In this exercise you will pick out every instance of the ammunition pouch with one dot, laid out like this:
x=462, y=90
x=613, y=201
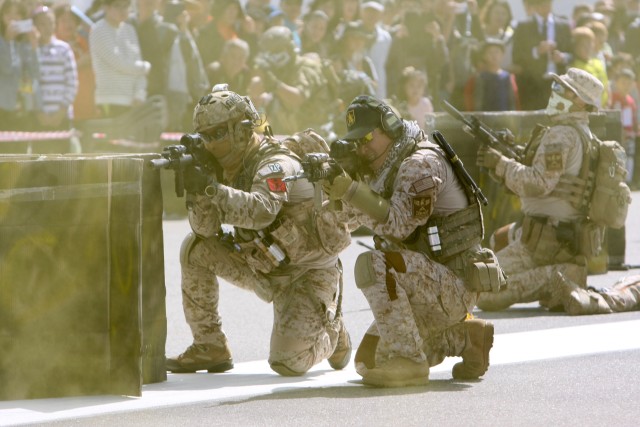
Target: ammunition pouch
x=442, y=238
x=555, y=244
x=479, y=269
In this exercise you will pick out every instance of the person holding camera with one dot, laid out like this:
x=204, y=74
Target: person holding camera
x=291, y=88
x=283, y=247
x=421, y=280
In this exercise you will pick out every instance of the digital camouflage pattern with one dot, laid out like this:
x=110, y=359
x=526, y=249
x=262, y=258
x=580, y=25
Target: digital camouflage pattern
x=303, y=292
x=418, y=304
x=560, y=151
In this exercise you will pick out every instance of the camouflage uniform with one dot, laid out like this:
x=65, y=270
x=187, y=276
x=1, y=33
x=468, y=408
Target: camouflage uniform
x=271, y=219
x=530, y=276
x=554, y=230
x=624, y=295
x=419, y=305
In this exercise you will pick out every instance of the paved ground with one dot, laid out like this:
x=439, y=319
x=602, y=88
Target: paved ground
x=547, y=369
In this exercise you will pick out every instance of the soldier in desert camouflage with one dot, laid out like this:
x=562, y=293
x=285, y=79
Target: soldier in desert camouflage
x=419, y=293
x=282, y=246
x=543, y=247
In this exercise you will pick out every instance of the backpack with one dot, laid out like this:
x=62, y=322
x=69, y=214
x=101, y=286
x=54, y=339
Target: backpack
x=611, y=196
x=599, y=191
x=305, y=142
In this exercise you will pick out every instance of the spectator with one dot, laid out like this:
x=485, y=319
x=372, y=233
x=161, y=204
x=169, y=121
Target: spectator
x=232, y=67
x=120, y=72
x=541, y=44
x=583, y=58
x=412, y=102
x=379, y=42
x=604, y=53
x=291, y=89
x=622, y=101
x=348, y=11
x=68, y=29
x=579, y=12
x=228, y=21
x=187, y=78
x=463, y=32
x=156, y=38
x=291, y=13
x=314, y=37
x=491, y=88
x=496, y=18
x=418, y=41
x=351, y=54
x=18, y=67
x=58, y=79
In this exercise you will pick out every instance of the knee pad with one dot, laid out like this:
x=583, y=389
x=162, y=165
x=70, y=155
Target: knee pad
x=185, y=249
x=285, y=371
x=364, y=272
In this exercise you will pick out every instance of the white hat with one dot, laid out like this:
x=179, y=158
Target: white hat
x=585, y=85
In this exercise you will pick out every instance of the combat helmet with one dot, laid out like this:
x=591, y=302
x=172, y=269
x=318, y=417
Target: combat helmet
x=223, y=106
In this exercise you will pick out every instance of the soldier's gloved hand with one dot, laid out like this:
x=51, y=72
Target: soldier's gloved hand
x=196, y=180
x=337, y=188
x=488, y=157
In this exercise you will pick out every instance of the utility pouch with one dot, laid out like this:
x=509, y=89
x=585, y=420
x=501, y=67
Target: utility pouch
x=483, y=273
x=541, y=240
x=590, y=238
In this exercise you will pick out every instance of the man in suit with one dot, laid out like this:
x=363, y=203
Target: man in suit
x=540, y=46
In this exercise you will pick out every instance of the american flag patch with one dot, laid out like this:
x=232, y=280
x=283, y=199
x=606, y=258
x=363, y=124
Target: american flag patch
x=277, y=184
x=422, y=185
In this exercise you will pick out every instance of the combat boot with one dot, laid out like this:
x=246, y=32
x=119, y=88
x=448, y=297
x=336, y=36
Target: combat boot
x=553, y=298
x=342, y=353
x=475, y=356
x=200, y=357
x=577, y=300
x=395, y=372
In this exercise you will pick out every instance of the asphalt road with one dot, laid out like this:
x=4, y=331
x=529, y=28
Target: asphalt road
x=547, y=369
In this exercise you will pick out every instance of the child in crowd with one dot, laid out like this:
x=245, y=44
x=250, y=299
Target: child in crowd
x=491, y=88
x=412, y=102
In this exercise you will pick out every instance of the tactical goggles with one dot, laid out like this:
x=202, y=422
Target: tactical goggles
x=216, y=134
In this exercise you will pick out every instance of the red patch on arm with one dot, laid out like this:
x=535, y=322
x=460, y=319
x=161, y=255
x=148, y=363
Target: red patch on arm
x=277, y=184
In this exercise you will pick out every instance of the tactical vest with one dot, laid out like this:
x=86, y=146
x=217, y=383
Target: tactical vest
x=442, y=237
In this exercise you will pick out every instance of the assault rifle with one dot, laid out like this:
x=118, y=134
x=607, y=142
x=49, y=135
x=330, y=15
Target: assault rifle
x=189, y=153
x=486, y=135
x=316, y=167
x=458, y=168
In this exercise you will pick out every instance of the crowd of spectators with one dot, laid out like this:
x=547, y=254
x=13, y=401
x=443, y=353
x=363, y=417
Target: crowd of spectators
x=60, y=65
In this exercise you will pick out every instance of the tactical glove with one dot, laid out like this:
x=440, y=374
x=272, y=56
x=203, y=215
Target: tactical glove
x=488, y=157
x=196, y=180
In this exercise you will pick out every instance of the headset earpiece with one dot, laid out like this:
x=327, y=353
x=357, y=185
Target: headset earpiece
x=391, y=122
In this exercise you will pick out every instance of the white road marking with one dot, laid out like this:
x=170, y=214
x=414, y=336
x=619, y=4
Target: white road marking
x=256, y=378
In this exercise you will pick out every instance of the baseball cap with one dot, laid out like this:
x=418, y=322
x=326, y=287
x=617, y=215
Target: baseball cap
x=361, y=119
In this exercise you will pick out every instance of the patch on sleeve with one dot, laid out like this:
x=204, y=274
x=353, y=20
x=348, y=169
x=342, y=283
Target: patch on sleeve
x=421, y=207
x=270, y=169
x=423, y=185
x=277, y=184
x=553, y=158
